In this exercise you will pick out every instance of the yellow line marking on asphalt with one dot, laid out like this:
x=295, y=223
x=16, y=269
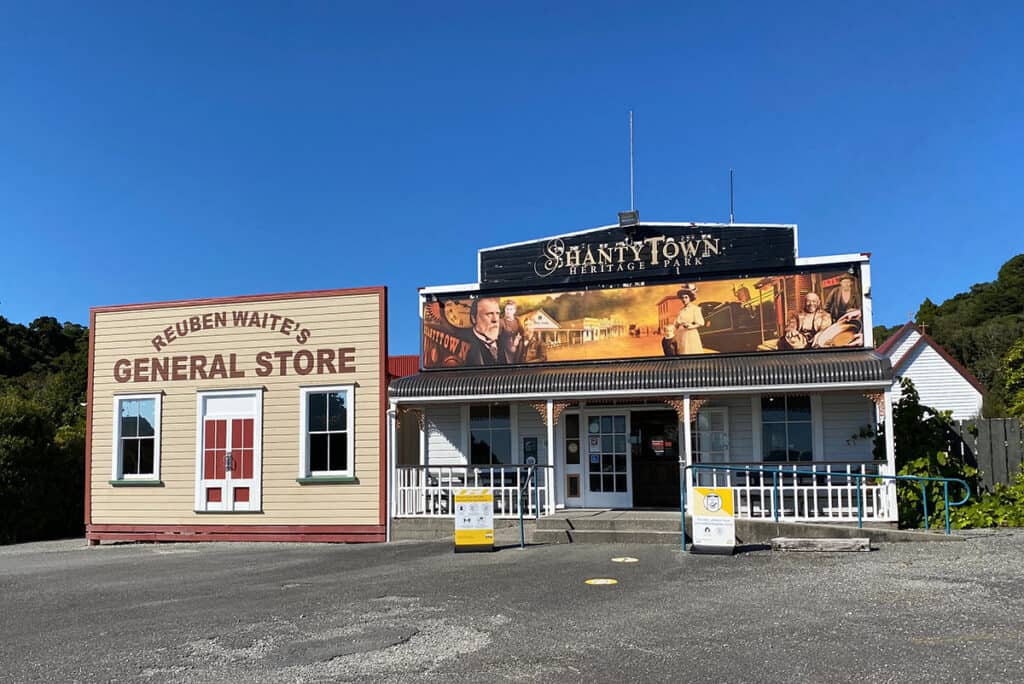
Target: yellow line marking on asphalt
x=625, y=559
x=602, y=580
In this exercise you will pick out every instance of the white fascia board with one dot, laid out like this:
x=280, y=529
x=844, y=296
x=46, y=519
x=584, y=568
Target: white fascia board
x=660, y=224
x=834, y=259
x=639, y=394
x=441, y=289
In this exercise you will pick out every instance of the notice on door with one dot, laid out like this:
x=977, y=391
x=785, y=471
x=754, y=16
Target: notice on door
x=714, y=528
x=474, y=520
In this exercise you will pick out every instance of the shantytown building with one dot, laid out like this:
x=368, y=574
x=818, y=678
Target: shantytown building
x=612, y=357
x=242, y=418
x=605, y=361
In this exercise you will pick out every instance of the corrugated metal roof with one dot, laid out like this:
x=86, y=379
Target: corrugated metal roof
x=401, y=366
x=692, y=373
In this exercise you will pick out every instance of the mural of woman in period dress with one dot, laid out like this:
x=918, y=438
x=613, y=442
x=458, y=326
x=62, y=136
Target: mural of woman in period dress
x=688, y=323
x=805, y=310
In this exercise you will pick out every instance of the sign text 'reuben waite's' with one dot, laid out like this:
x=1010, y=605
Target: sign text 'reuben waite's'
x=318, y=361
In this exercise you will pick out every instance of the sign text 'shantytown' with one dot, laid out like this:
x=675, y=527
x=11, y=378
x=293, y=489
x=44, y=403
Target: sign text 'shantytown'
x=649, y=251
x=658, y=251
x=322, y=361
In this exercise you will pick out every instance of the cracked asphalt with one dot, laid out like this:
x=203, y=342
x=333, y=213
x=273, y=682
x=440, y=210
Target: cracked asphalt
x=414, y=611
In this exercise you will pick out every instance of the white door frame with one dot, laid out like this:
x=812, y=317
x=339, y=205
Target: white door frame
x=237, y=410
x=601, y=499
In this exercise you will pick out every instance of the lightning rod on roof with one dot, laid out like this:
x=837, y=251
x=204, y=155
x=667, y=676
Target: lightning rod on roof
x=732, y=213
x=632, y=173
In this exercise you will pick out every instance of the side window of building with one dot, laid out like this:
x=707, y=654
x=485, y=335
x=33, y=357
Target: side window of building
x=490, y=433
x=327, y=432
x=136, y=438
x=786, y=430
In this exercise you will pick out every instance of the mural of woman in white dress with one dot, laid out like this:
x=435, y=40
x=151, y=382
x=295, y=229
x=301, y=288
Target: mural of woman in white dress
x=689, y=321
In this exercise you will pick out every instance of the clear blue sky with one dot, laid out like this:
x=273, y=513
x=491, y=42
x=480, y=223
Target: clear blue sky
x=153, y=151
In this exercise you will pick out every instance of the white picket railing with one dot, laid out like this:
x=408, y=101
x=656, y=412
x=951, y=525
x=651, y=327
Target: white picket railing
x=818, y=492
x=429, y=491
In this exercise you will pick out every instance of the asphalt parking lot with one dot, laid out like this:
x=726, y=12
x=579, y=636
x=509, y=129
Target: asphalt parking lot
x=415, y=611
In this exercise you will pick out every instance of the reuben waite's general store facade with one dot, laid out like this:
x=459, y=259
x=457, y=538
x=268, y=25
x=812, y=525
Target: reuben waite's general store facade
x=578, y=352
x=244, y=418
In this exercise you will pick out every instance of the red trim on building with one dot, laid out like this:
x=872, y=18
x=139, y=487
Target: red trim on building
x=894, y=340
x=267, y=533
x=402, y=366
x=383, y=429
x=89, y=403
x=926, y=339
x=242, y=298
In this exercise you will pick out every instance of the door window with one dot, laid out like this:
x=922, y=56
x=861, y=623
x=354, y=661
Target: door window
x=606, y=454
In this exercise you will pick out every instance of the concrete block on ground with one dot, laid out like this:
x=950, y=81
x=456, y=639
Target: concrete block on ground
x=820, y=544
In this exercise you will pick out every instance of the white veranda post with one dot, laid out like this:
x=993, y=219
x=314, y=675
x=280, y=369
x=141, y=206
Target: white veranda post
x=890, y=451
x=686, y=455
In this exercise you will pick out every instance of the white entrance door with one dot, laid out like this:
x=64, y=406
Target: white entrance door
x=228, y=445
x=605, y=446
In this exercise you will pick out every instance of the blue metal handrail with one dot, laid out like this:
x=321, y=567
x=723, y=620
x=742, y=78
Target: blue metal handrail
x=775, y=471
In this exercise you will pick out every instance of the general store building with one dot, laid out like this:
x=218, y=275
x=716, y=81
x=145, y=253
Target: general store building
x=245, y=418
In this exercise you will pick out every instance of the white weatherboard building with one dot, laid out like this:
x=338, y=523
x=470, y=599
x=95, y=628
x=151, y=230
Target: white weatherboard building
x=787, y=376
x=942, y=382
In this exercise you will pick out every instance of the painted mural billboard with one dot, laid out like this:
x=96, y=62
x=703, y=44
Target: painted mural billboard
x=799, y=311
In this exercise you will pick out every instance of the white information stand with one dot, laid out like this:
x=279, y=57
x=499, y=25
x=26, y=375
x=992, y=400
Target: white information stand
x=714, y=528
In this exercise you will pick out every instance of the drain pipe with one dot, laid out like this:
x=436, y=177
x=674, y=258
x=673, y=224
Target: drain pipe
x=389, y=481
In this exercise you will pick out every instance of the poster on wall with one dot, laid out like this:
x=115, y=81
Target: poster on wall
x=793, y=312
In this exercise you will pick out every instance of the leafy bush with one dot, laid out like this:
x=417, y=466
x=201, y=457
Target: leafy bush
x=1003, y=507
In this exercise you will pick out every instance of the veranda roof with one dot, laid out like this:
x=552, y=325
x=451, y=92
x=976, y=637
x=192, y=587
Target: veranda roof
x=788, y=371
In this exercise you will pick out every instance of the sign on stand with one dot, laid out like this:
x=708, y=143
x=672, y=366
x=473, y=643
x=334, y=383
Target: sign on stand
x=714, y=528
x=474, y=520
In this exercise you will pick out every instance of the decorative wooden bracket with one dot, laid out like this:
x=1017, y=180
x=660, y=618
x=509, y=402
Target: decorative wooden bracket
x=878, y=399
x=557, y=407
x=680, y=407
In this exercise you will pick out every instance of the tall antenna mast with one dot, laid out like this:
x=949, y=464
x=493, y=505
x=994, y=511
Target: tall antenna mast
x=732, y=214
x=632, y=186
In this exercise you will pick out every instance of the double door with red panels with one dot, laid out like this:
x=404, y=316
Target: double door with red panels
x=228, y=478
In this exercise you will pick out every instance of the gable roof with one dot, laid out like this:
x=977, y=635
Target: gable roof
x=900, y=364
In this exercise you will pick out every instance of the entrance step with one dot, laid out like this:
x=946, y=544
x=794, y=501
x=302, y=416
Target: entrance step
x=608, y=527
x=568, y=536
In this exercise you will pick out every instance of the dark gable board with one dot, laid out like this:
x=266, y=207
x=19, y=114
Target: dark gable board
x=740, y=249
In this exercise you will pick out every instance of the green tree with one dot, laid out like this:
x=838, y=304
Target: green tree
x=922, y=436
x=1013, y=378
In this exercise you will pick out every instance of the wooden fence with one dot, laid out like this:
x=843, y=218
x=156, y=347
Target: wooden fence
x=995, y=446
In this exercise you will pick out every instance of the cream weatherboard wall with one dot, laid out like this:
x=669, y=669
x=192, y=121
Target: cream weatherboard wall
x=347, y=325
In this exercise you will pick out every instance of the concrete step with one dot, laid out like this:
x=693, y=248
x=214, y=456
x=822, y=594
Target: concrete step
x=662, y=524
x=568, y=536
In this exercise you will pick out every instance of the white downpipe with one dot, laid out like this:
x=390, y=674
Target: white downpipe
x=392, y=471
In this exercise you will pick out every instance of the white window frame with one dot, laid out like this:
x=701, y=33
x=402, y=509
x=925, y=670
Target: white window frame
x=350, y=412
x=816, y=427
x=118, y=474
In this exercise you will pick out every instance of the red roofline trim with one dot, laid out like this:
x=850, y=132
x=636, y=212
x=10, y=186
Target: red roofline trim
x=927, y=339
x=894, y=339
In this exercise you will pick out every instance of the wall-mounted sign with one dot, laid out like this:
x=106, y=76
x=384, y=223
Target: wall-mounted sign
x=642, y=251
x=794, y=311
